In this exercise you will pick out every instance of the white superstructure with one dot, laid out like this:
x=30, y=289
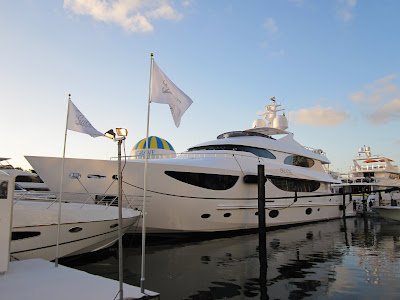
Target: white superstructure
x=374, y=168
x=375, y=176
x=212, y=186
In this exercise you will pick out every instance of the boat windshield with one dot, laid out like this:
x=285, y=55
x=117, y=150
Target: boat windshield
x=242, y=133
x=256, y=151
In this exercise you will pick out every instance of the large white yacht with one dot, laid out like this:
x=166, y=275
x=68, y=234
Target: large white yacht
x=374, y=168
x=213, y=186
x=375, y=176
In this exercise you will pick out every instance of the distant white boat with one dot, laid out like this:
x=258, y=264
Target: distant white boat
x=84, y=228
x=213, y=186
x=390, y=213
x=27, y=180
x=374, y=176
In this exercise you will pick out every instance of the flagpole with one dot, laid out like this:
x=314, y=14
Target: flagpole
x=61, y=187
x=142, y=278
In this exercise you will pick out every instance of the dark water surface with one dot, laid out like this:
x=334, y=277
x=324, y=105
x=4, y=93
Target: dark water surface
x=356, y=259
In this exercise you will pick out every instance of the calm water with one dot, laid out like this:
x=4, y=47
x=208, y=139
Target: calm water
x=358, y=259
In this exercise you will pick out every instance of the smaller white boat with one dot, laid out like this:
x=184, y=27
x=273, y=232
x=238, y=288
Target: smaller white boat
x=83, y=228
x=390, y=213
x=40, y=279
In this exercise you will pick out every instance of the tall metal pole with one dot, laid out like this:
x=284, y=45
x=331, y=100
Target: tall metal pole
x=146, y=155
x=61, y=188
x=120, y=260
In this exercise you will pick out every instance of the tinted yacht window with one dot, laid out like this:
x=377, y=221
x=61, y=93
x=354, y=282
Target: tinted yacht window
x=299, y=161
x=295, y=185
x=207, y=181
x=256, y=151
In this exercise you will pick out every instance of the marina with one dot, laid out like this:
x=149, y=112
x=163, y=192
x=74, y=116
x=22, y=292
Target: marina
x=264, y=166
x=204, y=208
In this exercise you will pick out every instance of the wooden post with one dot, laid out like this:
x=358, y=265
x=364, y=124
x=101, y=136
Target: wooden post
x=262, y=233
x=344, y=205
x=364, y=202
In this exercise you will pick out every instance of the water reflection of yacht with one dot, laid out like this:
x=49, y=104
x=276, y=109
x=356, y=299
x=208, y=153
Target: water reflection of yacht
x=213, y=185
x=301, y=263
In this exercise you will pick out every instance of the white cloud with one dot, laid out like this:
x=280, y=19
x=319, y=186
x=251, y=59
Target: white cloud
x=357, y=96
x=271, y=26
x=386, y=79
x=164, y=12
x=187, y=3
x=319, y=116
x=386, y=112
x=379, y=102
x=132, y=15
x=345, y=10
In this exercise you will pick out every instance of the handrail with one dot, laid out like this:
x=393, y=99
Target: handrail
x=191, y=155
x=106, y=200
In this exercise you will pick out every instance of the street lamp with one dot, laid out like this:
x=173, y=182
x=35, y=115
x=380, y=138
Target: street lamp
x=119, y=137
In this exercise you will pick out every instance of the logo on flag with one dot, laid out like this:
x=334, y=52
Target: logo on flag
x=78, y=122
x=166, y=92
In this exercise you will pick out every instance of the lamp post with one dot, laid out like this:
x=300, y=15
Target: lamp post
x=121, y=136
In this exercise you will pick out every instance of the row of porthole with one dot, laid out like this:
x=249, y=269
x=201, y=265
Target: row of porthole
x=272, y=213
x=77, y=229
x=19, y=235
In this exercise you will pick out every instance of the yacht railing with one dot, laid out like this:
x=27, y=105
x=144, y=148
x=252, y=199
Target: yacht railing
x=201, y=154
x=314, y=150
x=192, y=155
x=46, y=196
x=368, y=168
x=107, y=200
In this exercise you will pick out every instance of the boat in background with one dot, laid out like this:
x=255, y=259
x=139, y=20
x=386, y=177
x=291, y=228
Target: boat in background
x=213, y=186
x=373, y=179
x=390, y=213
x=374, y=169
x=29, y=181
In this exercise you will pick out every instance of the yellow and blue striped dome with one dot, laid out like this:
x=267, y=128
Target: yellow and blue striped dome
x=154, y=143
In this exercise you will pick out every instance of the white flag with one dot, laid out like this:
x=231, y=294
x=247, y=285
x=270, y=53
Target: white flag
x=165, y=91
x=78, y=122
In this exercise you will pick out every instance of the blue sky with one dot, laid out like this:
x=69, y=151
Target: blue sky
x=333, y=65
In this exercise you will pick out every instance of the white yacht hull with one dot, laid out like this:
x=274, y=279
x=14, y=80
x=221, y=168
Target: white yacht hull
x=83, y=228
x=390, y=213
x=175, y=206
